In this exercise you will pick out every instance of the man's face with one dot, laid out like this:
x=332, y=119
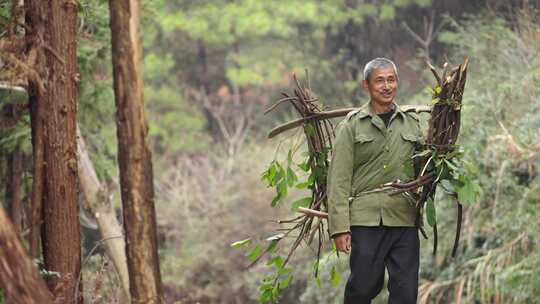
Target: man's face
x=382, y=86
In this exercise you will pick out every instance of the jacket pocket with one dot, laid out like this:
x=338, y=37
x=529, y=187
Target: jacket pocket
x=410, y=137
x=412, y=140
x=364, y=148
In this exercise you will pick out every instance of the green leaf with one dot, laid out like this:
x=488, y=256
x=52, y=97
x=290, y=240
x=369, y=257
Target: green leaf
x=303, y=202
x=304, y=185
x=272, y=171
x=277, y=261
x=442, y=171
x=271, y=174
x=315, y=267
x=284, y=271
x=272, y=246
x=309, y=129
x=304, y=166
x=451, y=165
x=280, y=174
x=275, y=292
x=267, y=284
x=447, y=186
x=335, y=277
x=286, y=282
x=241, y=243
x=289, y=157
x=291, y=177
x=275, y=200
x=467, y=193
x=430, y=212
x=266, y=296
x=254, y=253
x=281, y=192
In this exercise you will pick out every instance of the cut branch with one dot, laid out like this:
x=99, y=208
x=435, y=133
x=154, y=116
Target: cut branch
x=312, y=213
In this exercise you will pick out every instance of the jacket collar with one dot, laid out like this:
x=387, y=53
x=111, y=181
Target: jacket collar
x=367, y=110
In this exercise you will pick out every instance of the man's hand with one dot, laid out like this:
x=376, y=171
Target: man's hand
x=343, y=242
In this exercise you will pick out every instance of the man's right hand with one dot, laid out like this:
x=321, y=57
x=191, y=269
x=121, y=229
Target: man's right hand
x=343, y=242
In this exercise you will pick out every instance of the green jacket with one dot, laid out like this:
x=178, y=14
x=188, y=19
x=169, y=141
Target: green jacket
x=366, y=154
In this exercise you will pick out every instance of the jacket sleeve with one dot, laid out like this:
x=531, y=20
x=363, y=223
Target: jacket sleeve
x=340, y=180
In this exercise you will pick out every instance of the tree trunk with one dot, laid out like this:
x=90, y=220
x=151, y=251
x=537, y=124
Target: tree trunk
x=34, y=21
x=38, y=181
x=14, y=189
x=98, y=202
x=134, y=157
x=54, y=24
x=20, y=281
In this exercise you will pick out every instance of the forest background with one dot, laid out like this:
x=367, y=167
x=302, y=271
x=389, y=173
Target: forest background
x=211, y=68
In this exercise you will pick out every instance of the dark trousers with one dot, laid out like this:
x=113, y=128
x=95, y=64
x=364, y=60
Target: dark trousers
x=373, y=248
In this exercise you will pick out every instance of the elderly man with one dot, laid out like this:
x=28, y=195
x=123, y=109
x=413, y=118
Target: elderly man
x=373, y=146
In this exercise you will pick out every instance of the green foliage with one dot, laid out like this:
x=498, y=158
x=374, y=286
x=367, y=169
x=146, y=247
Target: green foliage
x=5, y=12
x=430, y=212
x=254, y=45
x=387, y=12
x=303, y=202
x=500, y=106
x=282, y=177
x=175, y=125
x=16, y=135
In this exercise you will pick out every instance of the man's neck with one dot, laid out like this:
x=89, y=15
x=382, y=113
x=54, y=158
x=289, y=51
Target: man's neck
x=379, y=109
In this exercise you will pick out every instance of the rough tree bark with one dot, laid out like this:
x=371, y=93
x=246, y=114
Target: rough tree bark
x=51, y=33
x=20, y=281
x=14, y=189
x=98, y=202
x=134, y=157
x=38, y=181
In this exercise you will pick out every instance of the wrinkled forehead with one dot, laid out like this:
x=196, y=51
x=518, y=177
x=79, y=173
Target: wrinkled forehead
x=383, y=72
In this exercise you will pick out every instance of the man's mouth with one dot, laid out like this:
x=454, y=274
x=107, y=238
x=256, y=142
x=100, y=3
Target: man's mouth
x=387, y=94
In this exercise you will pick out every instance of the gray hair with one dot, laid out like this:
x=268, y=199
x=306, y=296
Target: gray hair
x=379, y=63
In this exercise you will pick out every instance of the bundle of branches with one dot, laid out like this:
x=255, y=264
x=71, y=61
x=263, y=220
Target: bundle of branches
x=318, y=131
x=441, y=147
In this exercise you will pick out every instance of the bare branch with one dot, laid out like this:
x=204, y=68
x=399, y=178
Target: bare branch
x=311, y=212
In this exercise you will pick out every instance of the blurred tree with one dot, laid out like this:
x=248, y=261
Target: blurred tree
x=134, y=156
x=20, y=281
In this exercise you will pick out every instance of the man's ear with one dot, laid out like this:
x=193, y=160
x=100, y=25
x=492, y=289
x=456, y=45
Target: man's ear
x=365, y=85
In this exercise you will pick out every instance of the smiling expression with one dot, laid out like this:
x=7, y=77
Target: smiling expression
x=382, y=86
